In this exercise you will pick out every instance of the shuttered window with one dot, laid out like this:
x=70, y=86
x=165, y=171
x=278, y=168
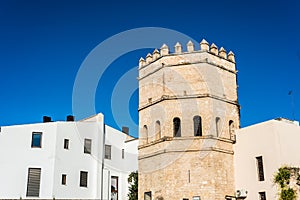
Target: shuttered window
x=33, y=182
x=83, y=179
x=87, y=146
x=107, y=152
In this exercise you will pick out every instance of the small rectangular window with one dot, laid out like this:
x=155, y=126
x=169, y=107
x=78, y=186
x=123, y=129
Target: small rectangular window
x=107, y=152
x=33, y=182
x=123, y=153
x=66, y=143
x=147, y=196
x=83, y=178
x=64, y=179
x=260, y=168
x=87, y=146
x=262, y=195
x=36, y=141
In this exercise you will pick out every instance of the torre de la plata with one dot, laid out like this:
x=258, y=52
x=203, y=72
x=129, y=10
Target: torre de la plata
x=188, y=110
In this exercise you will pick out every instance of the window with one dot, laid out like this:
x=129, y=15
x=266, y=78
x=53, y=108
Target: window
x=36, y=141
x=107, y=152
x=231, y=131
x=64, y=179
x=260, y=168
x=176, y=127
x=197, y=126
x=66, y=143
x=262, y=195
x=147, y=196
x=123, y=154
x=218, y=126
x=231, y=127
x=114, y=188
x=87, y=146
x=33, y=182
x=157, y=130
x=145, y=133
x=83, y=178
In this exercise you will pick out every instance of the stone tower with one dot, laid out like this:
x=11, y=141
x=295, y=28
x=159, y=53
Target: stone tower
x=188, y=109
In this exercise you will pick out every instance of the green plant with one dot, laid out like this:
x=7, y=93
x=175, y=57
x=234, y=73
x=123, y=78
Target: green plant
x=133, y=186
x=282, y=178
x=287, y=194
x=298, y=180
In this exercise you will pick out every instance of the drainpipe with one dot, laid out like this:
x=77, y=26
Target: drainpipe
x=103, y=152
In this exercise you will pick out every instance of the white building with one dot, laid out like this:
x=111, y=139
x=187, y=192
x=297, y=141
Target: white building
x=260, y=150
x=64, y=160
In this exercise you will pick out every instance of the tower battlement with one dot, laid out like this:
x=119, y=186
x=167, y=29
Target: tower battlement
x=204, y=46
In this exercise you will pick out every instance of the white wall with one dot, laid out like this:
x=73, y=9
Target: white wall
x=16, y=156
x=74, y=160
x=277, y=142
x=117, y=166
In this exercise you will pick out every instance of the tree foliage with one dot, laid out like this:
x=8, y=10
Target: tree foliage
x=133, y=186
x=282, y=178
x=287, y=194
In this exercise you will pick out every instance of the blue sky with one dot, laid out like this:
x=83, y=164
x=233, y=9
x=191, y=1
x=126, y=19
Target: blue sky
x=44, y=43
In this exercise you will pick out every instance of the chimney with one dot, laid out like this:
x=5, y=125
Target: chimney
x=46, y=119
x=70, y=118
x=125, y=130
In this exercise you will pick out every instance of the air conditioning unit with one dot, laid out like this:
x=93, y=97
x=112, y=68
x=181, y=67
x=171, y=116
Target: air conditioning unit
x=241, y=194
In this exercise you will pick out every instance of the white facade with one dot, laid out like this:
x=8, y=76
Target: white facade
x=277, y=143
x=17, y=155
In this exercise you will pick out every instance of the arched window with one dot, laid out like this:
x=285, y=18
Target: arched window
x=197, y=126
x=157, y=130
x=218, y=126
x=145, y=133
x=231, y=130
x=231, y=127
x=176, y=127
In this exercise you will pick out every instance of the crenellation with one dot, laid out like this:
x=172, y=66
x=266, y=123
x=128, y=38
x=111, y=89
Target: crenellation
x=142, y=62
x=231, y=56
x=178, y=48
x=164, y=50
x=213, y=49
x=214, y=55
x=222, y=53
x=204, y=45
x=148, y=58
x=155, y=54
x=190, y=46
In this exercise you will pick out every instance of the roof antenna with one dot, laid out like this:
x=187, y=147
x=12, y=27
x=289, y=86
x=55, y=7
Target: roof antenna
x=292, y=104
